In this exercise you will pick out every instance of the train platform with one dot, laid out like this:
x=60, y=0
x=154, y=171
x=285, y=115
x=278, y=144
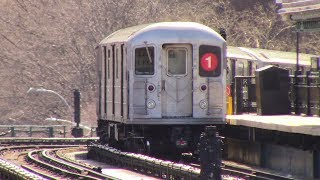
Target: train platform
x=285, y=143
x=283, y=123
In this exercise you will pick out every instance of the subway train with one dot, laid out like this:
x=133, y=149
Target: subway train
x=160, y=84
x=243, y=61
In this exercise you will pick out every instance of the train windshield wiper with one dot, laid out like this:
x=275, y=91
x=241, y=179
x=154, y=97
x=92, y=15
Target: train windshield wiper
x=149, y=56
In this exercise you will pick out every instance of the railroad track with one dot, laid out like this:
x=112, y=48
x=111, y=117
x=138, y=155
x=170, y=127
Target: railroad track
x=26, y=159
x=252, y=173
x=45, y=141
x=61, y=168
x=51, y=160
x=46, y=160
x=164, y=169
x=245, y=172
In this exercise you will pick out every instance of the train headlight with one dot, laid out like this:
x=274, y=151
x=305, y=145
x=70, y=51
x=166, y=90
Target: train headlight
x=151, y=104
x=203, y=104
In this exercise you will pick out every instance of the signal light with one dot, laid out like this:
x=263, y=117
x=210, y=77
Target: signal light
x=181, y=143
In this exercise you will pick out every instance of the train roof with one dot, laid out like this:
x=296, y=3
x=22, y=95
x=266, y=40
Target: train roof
x=124, y=35
x=266, y=55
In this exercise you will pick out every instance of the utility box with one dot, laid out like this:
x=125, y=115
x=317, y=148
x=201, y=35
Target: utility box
x=272, y=90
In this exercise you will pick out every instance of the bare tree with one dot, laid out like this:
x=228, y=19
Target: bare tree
x=51, y=44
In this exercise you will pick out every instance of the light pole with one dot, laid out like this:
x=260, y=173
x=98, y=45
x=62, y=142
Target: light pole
x=63, y=120
x=39, y=90
x=74, y=124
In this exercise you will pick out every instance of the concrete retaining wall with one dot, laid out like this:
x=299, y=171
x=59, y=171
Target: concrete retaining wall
x=280, y=158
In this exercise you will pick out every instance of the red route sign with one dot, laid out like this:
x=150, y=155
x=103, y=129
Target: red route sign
x=209, y=62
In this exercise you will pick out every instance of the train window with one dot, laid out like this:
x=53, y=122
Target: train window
x=176, y=61
x=233, y=69
x=105, y=78
x=240, y=69
x=105, y=59
x=117, y=63
x=109, y=63
x=254, y=68
x=209, y=61
x=315, y=63
x=250, y=68
x=144, y=61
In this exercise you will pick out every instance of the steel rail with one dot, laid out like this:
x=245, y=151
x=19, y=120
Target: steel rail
x=16, y=172
x=53, y=168
x=73, y=166
x=13, y=171
x=248, y=172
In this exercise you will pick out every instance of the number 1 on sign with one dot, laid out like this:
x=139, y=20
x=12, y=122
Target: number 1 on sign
x=209, y=61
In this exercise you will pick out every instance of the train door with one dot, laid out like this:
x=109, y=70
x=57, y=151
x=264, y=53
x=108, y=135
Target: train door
x=176, y=82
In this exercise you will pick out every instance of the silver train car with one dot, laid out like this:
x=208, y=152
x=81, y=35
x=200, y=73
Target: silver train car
x=159, y=85
x=243, y=61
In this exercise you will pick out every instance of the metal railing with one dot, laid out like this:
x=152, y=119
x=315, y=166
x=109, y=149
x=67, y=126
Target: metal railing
x=304, y=94
x=32, y=130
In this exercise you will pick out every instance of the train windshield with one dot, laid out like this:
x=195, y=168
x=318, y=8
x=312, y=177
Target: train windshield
x=177, y=58
x=144, y=61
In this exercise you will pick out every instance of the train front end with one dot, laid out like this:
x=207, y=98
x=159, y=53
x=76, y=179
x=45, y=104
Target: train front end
x=178, y=75
x=171, y=84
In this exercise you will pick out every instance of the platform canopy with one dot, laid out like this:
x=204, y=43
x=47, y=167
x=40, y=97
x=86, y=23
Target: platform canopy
x=305, y=13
